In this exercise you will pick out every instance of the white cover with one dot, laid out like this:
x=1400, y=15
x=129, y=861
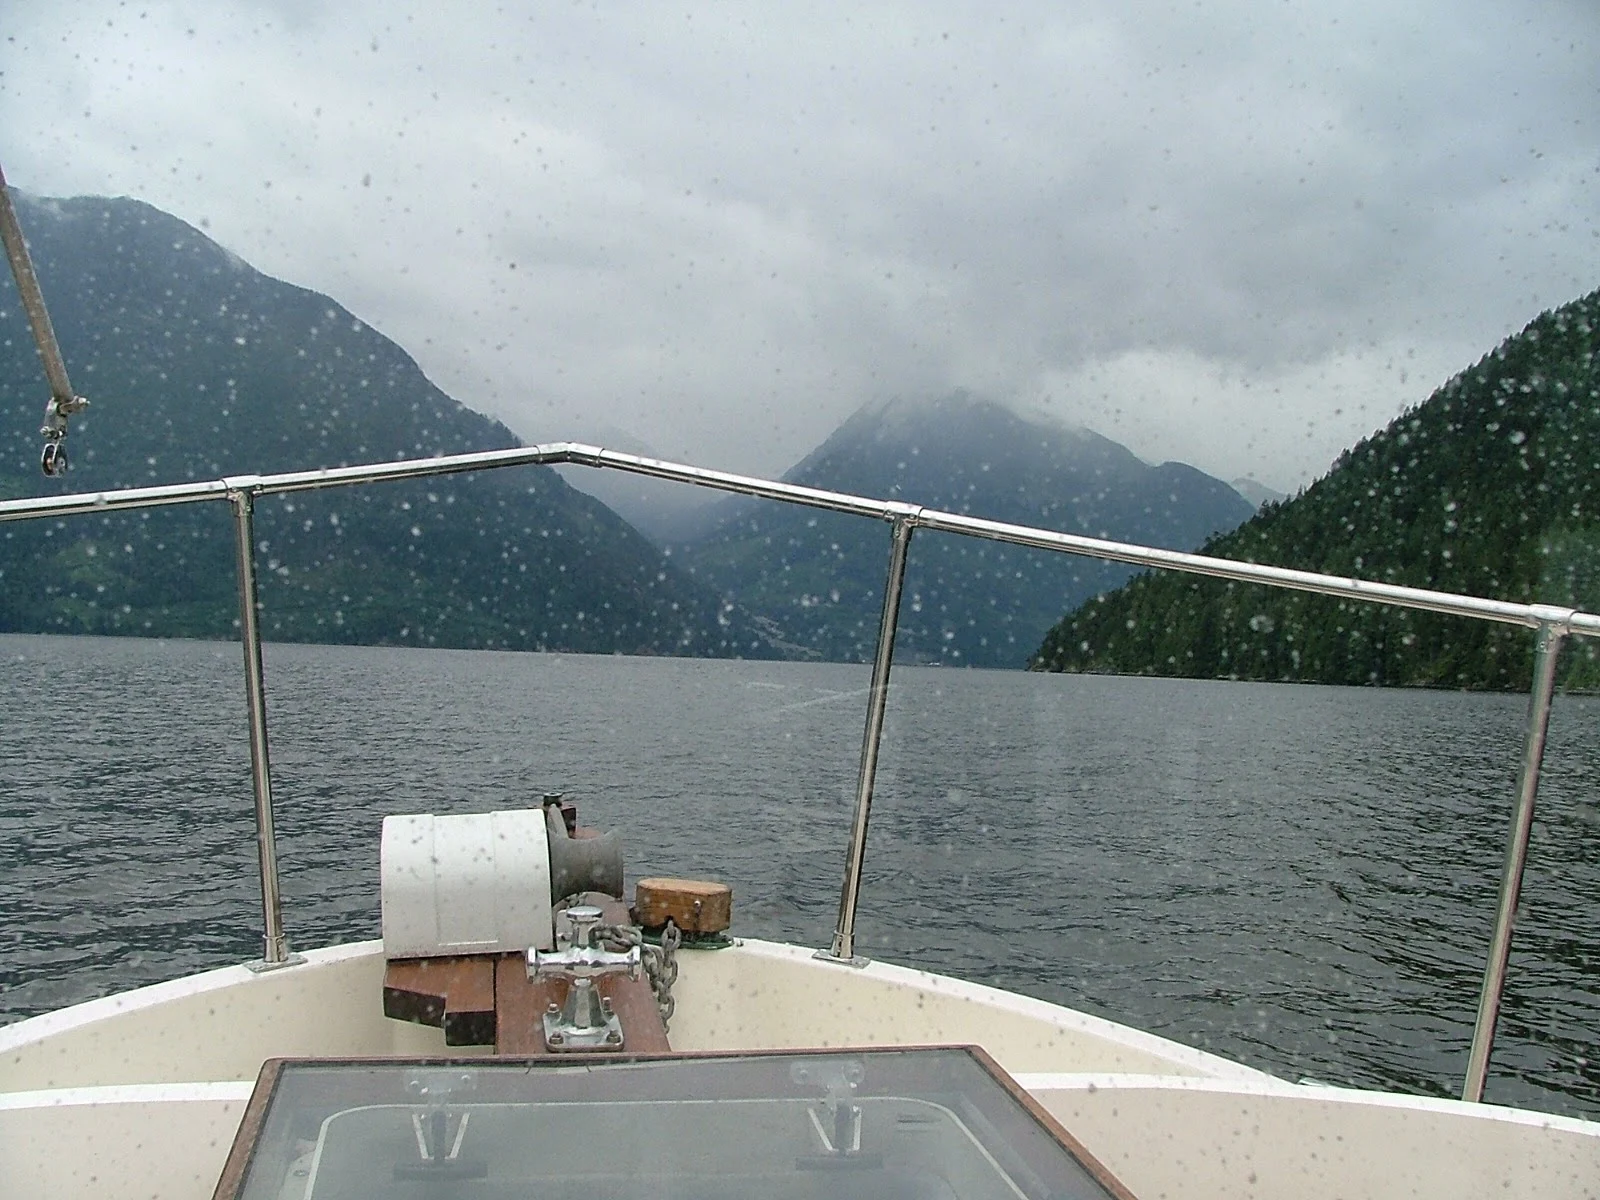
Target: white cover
x=475, y=884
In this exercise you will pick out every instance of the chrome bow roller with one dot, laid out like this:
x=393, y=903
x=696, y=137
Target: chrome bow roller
x=63, y=402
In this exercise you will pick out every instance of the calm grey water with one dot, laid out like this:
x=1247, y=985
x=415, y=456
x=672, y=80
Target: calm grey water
x=1300, y=878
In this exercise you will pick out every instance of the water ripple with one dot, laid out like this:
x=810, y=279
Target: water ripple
x=1300, y=878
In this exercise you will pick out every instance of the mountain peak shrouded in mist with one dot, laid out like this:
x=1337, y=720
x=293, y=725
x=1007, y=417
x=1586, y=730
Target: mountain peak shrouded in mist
x=198, y=366
x=1257, y=492
x=816, y=578
x=665, y=512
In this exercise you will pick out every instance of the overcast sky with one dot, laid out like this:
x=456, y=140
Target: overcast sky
x=1242, y=234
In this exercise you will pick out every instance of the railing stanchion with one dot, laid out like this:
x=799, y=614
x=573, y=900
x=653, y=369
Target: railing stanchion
x=275, y=944
x=1547, y=651
x=844, y=934
x=1553, y=626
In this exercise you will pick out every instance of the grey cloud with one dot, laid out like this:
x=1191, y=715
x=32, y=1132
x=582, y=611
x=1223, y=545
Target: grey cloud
x=723, y=229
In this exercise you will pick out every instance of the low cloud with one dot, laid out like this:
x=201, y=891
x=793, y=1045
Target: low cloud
x=1239, y=236
x=1282, y=425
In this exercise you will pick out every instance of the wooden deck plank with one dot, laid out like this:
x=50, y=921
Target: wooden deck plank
x=452, y=993
x=520, y=1004
x=635, y=1005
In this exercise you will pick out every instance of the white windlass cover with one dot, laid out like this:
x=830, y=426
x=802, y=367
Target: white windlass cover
x=474, y=884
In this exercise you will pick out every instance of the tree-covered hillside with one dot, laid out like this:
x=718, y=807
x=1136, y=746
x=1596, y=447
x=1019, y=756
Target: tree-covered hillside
x=1491, y=487
x=198, y=366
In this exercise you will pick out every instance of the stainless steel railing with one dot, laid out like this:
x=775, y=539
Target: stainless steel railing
x=1553, y=624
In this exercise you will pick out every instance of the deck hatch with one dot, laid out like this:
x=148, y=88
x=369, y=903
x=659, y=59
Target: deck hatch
x=900, y=1124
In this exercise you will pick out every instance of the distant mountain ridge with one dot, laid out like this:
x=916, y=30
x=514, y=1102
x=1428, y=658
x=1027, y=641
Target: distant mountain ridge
x=666, y=513
x=1256, y=492
x=816, y=578
x=197, y=366
x=1490, y=488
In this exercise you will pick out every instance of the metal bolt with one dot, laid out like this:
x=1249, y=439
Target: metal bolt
x=552, y=1008
x=557, y=1039
x=613, y=1037
x=605, y=1005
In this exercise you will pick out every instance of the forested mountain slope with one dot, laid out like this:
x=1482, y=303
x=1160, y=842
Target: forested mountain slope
x=197, y=366
x=1491, y=487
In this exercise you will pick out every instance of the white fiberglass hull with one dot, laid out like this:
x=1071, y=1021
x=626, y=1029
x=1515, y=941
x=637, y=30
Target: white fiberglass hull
x=139, y=1094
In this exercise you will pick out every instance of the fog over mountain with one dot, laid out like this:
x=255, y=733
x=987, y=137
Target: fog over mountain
x=816, y=578
x=197, y=366
x=665, y=512
x=1239, y=234
x=1490, y=487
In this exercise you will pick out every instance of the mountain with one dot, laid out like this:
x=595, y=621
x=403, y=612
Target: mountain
x=197, y=366
x=816, y=578
x=1491, y=487
x=665, y=512
x=1258, y=493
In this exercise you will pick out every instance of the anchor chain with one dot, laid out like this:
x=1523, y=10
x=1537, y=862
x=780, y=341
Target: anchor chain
x=666, y=973
x=660, y=962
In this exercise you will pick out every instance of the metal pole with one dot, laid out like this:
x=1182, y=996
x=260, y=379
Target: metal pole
x=275, y=945
x=63, y=402
x=1547, y=650
x=1529, y=616
x=844, y=934
x=44, y=334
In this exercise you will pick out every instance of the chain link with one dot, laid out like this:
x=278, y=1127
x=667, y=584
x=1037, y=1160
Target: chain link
x=671, y=939
x=617, y=937
x=660, y=962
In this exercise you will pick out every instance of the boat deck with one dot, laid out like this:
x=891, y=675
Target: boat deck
x=151, y=1084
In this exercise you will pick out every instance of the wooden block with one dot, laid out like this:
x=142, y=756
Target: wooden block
x=456, y=994
x=694, y=905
